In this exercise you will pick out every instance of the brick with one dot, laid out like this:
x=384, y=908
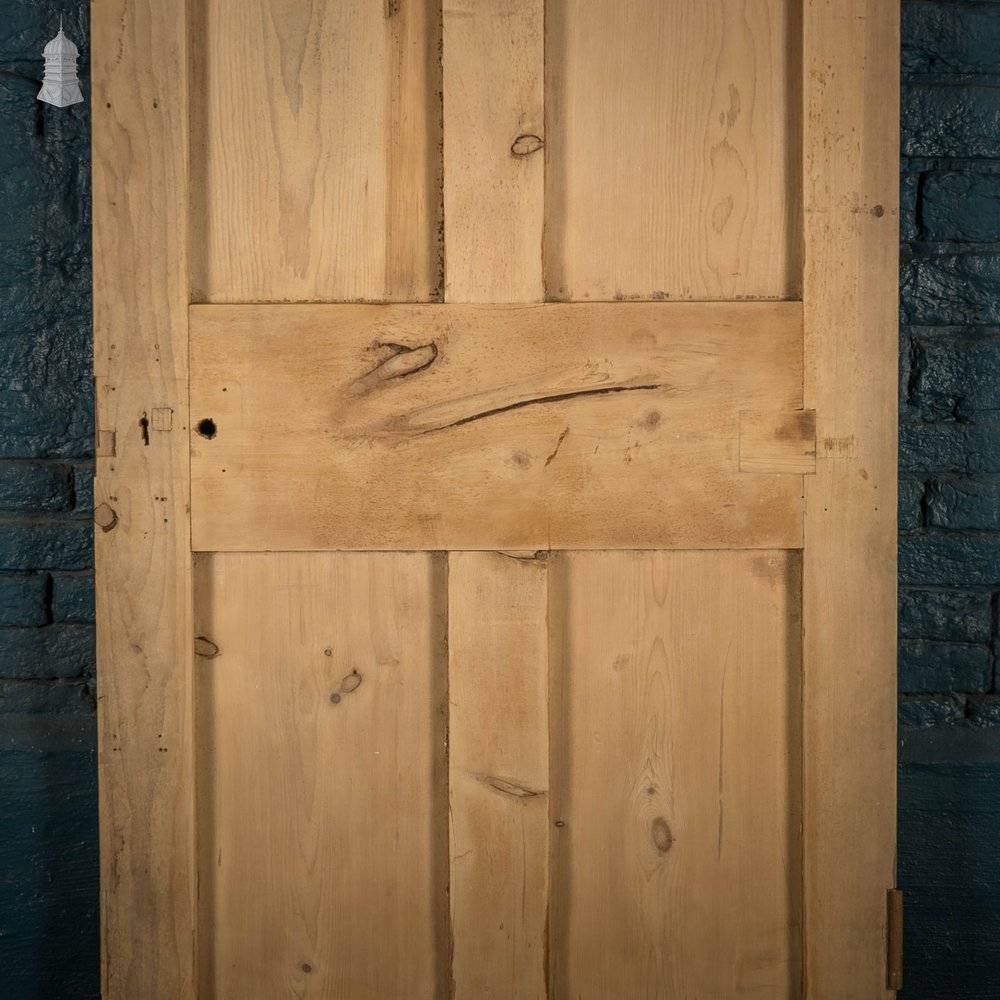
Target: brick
x=945, y=38
x=959, y=206
x=960, y=289
x=951, y=447
x=954, y=377
x=24, y=600
x=950, y=121
x=83, y=490
x=911, y=494
x=931, y=667
x=943, y=560
x=908, y=190
x=953, y=615
x=34, y=486
x=32, y=545
x=34, y=697
x=25, y=22
x=968, y=504
x=924, y=712
x=73, y=598
x=45, y=653
x=985, y=712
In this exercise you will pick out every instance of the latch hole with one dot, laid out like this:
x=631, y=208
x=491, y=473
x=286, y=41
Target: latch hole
x=206, y=428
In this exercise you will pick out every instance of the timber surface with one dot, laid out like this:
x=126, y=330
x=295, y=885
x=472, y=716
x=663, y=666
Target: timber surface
x=321, y=728
x=676, y=774
x=464, y=427
x=141, y=495
x=849, y=589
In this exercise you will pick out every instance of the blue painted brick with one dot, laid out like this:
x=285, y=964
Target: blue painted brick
x=946, y=38
x=943, y=560
x=29, y=24
x=30, y=545
x=908, y=190
x=35, y=486
x=24, y=599
x=953, y=615
x=83, y=489
x=72, y=598
x=20, y=697
x=965, y=503
x=985, y=711
x=960, y=206
x=951, y=289
x=926, y=711
x=951, y=447
x=45, y=653
x=950, y=121
x=911, y=494
x=930, y=667
x=954, y=376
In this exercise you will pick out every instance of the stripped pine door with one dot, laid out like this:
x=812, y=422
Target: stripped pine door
x=495, y=497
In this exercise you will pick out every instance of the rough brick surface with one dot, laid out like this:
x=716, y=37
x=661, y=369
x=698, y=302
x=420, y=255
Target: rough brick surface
x=928, y=667
x=952, y=615
x=951, y=289
x=950, y=121
x=972, y=503
x=73, y=598
x=945, y=38
x=959, y=206
x=24, y=599
x=46, y=653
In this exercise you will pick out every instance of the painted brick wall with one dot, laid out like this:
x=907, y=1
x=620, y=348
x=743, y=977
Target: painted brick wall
x=949, y=517
x=949, y=511
x=49, y=939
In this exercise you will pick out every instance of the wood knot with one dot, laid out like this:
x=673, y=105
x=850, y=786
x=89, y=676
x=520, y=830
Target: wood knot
x=204, y=647
x=105, y=517
x=663, y=839
x=525, y=145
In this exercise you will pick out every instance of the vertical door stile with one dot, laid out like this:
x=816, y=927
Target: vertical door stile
x=493, y=62
x=851, y=116
x=142, y=498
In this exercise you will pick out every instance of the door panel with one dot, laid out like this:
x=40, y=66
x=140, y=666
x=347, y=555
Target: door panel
x=481, y=631
x=322, y=789
x=676, y=774
x=457, y=427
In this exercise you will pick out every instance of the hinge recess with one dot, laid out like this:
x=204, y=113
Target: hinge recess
x=894, y=936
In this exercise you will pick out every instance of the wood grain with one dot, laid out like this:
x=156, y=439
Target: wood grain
x=498, y=772
x=676, y=774
x=778, y=441
x=323, y=853
x=673, y=138
x=494, y=156
x=142, y=491
x=316, y=170
x=455, y=427
x=850, y=288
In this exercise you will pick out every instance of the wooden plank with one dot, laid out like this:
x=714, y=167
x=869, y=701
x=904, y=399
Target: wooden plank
x=498, y=772
x=142, y=489
x=676, y=774
x=402, y=426
x=316, y=165
x=778, y=441
x=494, y=137
x=850, y=290
x=672, y=150
x=321, y=729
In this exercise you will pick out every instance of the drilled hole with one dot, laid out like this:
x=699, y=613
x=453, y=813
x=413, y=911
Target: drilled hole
x=206, y=428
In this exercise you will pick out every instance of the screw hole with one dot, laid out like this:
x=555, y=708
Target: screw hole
x=206, y=428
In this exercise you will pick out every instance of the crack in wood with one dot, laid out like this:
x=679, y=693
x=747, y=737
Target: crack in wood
x=555, y=451
x=541, y=400
x=509, y=787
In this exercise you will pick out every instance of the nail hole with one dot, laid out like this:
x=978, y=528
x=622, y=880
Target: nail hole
x=206, y=428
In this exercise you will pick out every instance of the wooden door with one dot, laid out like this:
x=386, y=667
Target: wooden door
x=496, y=497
